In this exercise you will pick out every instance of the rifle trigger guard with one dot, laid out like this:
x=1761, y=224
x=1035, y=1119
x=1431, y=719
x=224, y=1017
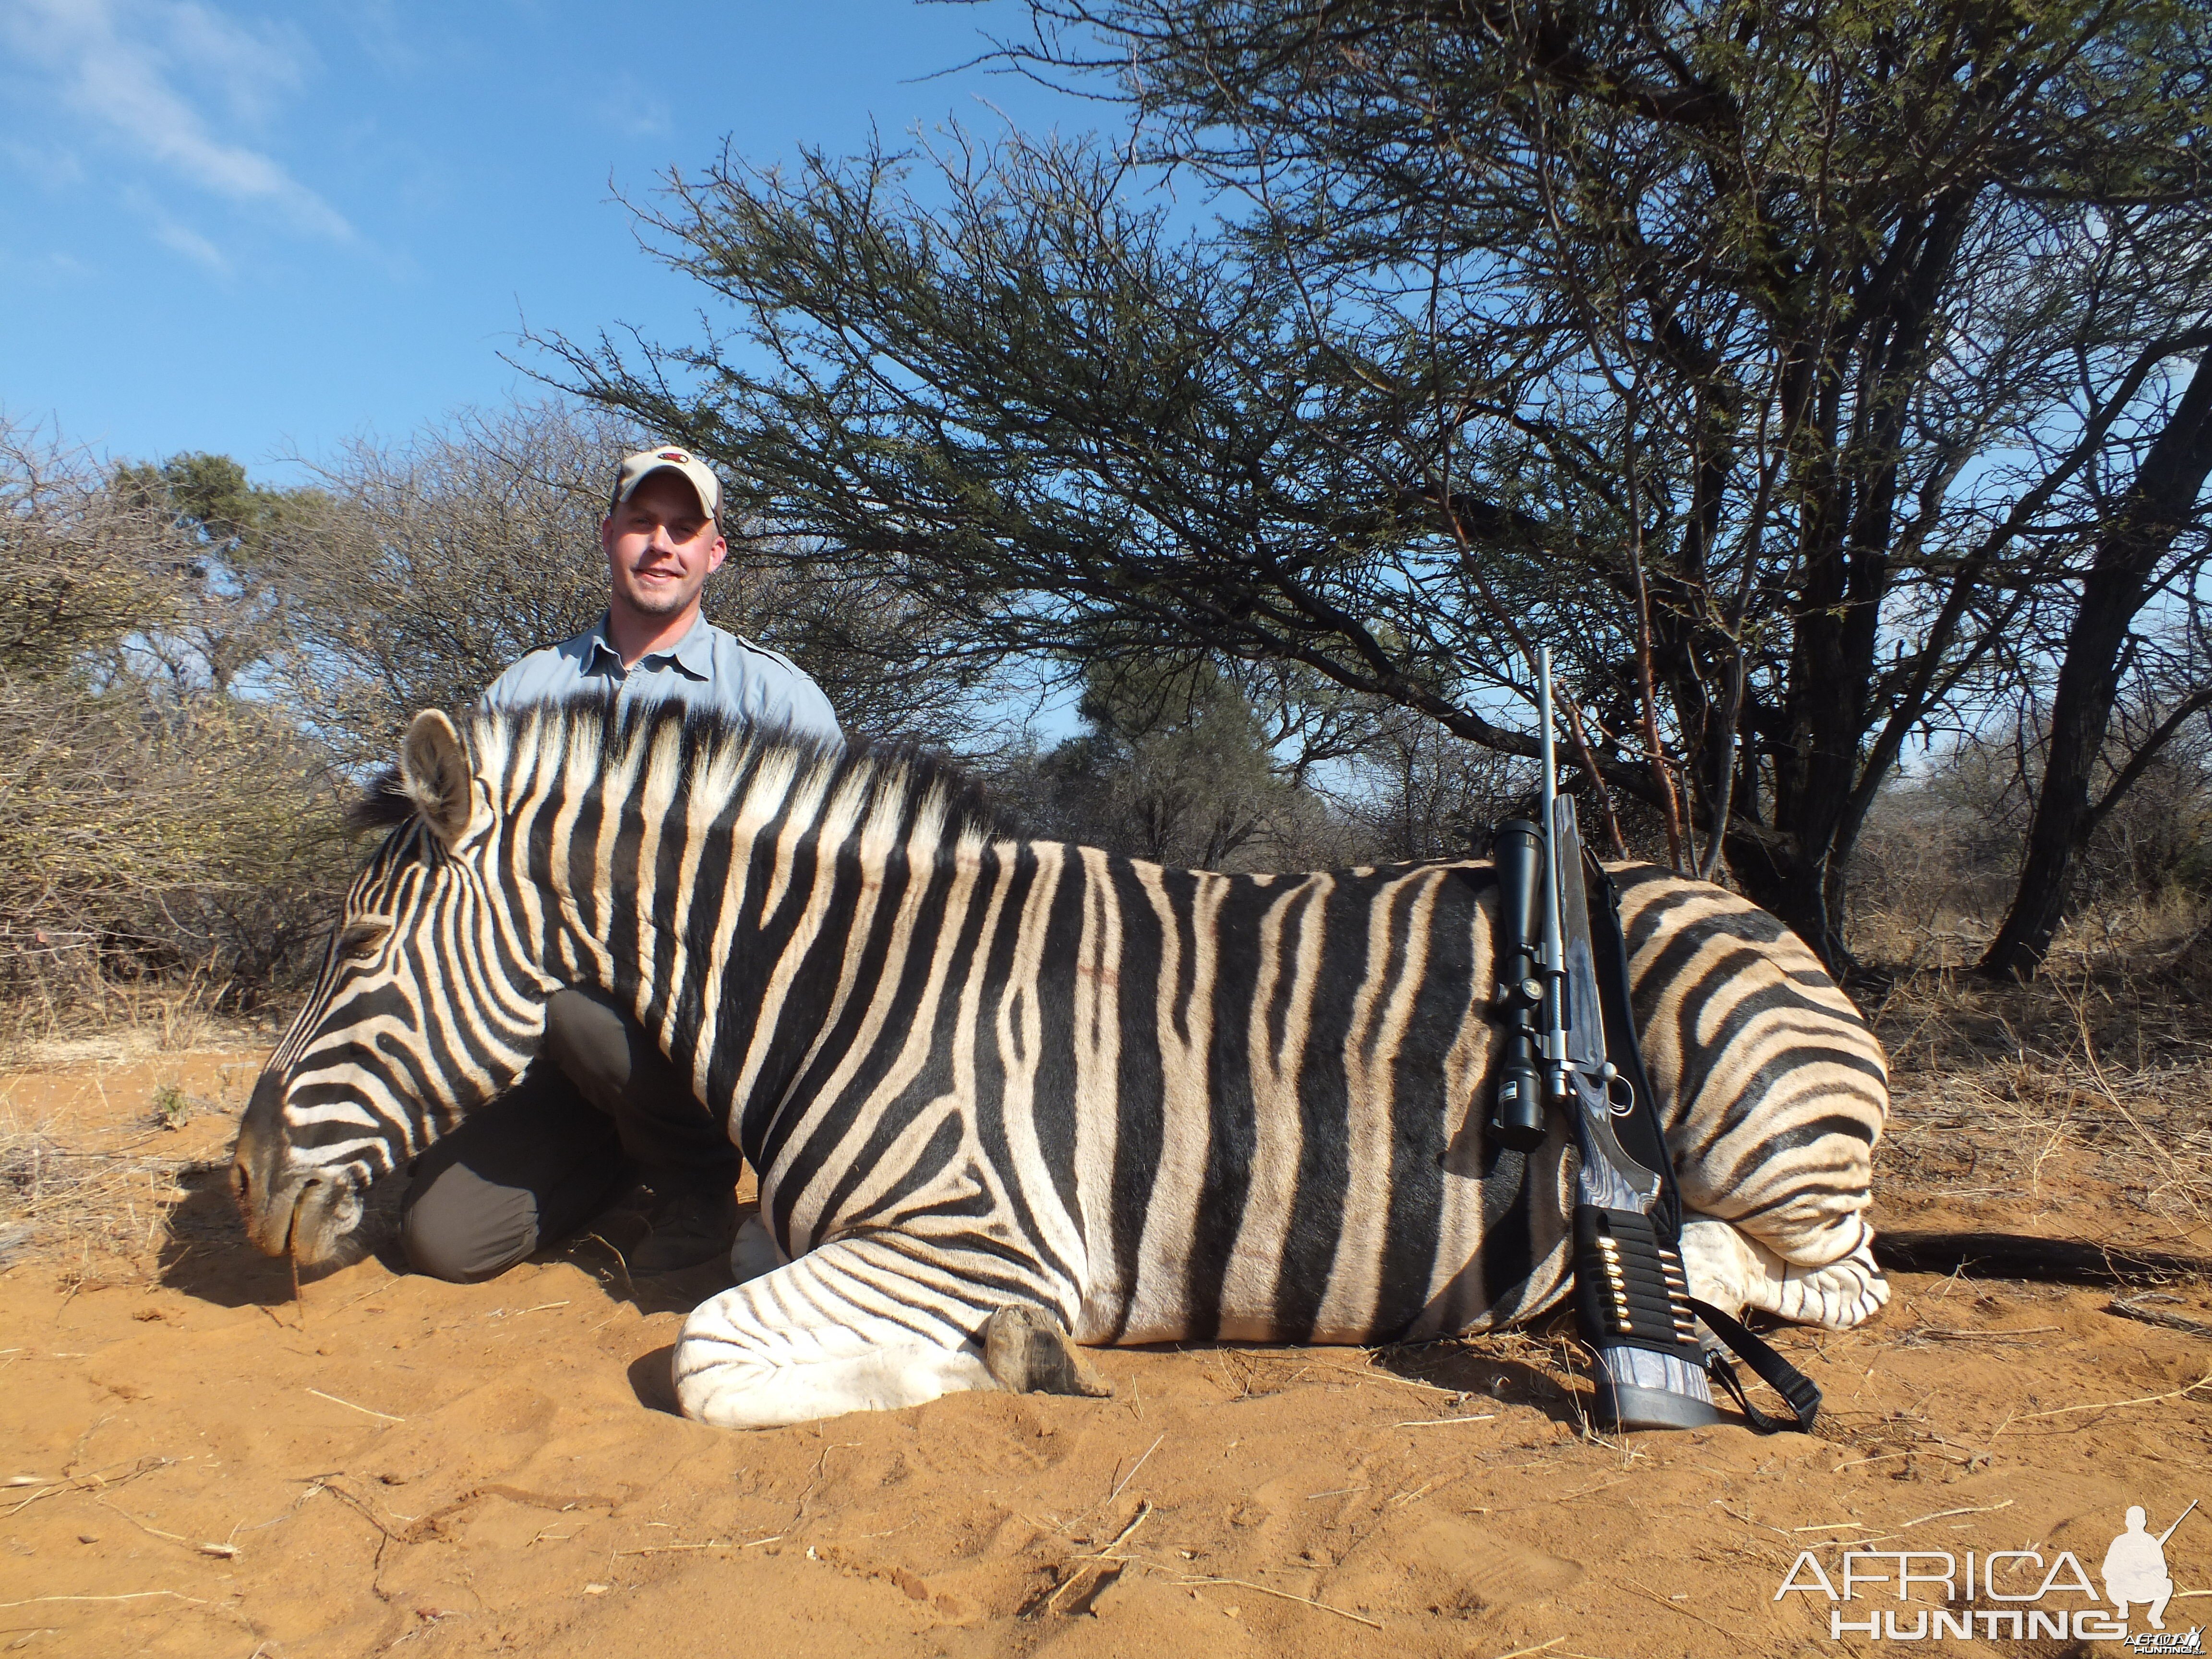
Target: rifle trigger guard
x=1620, y=1095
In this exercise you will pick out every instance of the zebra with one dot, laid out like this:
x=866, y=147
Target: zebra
x=995, y=1090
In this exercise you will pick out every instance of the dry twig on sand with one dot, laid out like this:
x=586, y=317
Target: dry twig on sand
x=1286, y=1596
x=2115, y=1405
x=2127, y=1310
x=365, y=1411
x=1105, y=1562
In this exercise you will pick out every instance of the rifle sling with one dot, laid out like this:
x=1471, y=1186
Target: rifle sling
x=1798, y=1391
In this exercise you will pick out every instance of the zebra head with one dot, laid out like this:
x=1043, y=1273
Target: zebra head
x=428, y=1005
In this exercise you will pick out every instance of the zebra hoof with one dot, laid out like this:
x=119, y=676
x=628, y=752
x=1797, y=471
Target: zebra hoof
x=754, y=1253
x=1027, y=1350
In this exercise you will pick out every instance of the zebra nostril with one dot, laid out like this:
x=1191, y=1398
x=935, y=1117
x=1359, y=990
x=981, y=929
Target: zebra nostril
x=241, y=1183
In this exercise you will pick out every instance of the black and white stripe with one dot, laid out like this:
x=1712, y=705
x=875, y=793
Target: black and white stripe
x=972, y=1072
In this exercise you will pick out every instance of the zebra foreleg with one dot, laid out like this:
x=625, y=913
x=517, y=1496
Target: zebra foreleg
x=846, y=1327
x=1733, y=1271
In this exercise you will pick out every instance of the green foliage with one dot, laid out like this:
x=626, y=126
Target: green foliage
x=172, y=1107
x=1176, y=767
x=219, y=511
x=227, y=537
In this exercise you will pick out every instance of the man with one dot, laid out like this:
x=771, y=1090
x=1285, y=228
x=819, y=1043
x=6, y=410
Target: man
x=602, y=1105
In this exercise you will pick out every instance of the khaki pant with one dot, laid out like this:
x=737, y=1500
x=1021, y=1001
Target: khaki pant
x=600, y=1106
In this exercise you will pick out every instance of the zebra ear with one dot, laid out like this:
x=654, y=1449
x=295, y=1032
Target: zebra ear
x=433, y=769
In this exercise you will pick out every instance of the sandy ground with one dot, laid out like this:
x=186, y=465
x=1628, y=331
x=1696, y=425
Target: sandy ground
x=200, y=1464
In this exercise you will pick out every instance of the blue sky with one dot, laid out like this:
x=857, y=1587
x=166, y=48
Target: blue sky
x=259, y=229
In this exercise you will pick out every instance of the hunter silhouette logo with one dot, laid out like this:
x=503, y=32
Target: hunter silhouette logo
x=2134, y=1572
x=2135, y=1568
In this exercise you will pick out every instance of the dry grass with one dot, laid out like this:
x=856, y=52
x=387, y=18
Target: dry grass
x=2143, y=934
x=96, y=1209
x=2096, y=1078
x=68, y=1006
x=96, y=1177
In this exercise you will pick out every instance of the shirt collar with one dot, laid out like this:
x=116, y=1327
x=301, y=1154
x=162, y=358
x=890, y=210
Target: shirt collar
x=693, y=653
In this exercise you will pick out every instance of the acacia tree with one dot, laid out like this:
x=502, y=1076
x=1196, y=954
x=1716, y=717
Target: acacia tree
x=1757, y=356
x=1173, y=765
x=229, y=537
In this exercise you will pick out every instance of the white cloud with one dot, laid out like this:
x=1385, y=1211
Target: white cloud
x=156, y=74
x=190, y=243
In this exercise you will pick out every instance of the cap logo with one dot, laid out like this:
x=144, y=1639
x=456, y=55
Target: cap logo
x=672, y=455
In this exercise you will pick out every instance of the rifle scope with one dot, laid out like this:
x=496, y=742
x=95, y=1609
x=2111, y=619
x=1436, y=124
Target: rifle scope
x=1516, y=1112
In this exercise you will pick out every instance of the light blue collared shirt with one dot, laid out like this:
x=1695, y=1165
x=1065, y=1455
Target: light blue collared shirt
x=707, y=668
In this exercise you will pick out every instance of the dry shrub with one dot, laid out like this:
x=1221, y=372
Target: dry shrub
x=2156, y=936
x=81, y=565
x=166, y=846
x=2097, y=1079
x=192, y=844
x=1937, y=864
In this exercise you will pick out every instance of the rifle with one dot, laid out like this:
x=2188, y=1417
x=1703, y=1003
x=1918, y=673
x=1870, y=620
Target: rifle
x=2178, y=1519
x=1633, y=1298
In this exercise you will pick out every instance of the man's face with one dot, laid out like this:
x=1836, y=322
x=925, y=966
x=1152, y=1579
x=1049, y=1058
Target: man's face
x=661, y=547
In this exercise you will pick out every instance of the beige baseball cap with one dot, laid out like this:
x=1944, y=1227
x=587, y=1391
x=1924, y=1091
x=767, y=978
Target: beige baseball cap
x=636, y=469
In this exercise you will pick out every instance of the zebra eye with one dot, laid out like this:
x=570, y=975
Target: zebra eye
x=361, y=939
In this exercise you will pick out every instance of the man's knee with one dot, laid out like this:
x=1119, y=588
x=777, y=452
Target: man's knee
x=461, y=1228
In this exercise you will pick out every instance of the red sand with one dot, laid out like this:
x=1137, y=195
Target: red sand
x=205, y=1466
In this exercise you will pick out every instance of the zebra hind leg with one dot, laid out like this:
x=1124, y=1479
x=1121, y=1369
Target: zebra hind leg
x=1733, y=1271
x=1028, y=1351
x=846, y=1327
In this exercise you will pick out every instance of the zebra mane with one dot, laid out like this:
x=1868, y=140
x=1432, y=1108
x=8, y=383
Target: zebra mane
x=901, y=782
x=381, y=804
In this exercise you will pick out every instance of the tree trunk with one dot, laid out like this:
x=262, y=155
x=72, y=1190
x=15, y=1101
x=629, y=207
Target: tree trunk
x=2118, y=582
x=1789, y=882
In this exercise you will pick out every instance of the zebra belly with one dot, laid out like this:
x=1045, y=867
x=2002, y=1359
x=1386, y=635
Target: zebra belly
x=1492, y=1249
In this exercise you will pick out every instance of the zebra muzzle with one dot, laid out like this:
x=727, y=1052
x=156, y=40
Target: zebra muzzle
x=303, y=1213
